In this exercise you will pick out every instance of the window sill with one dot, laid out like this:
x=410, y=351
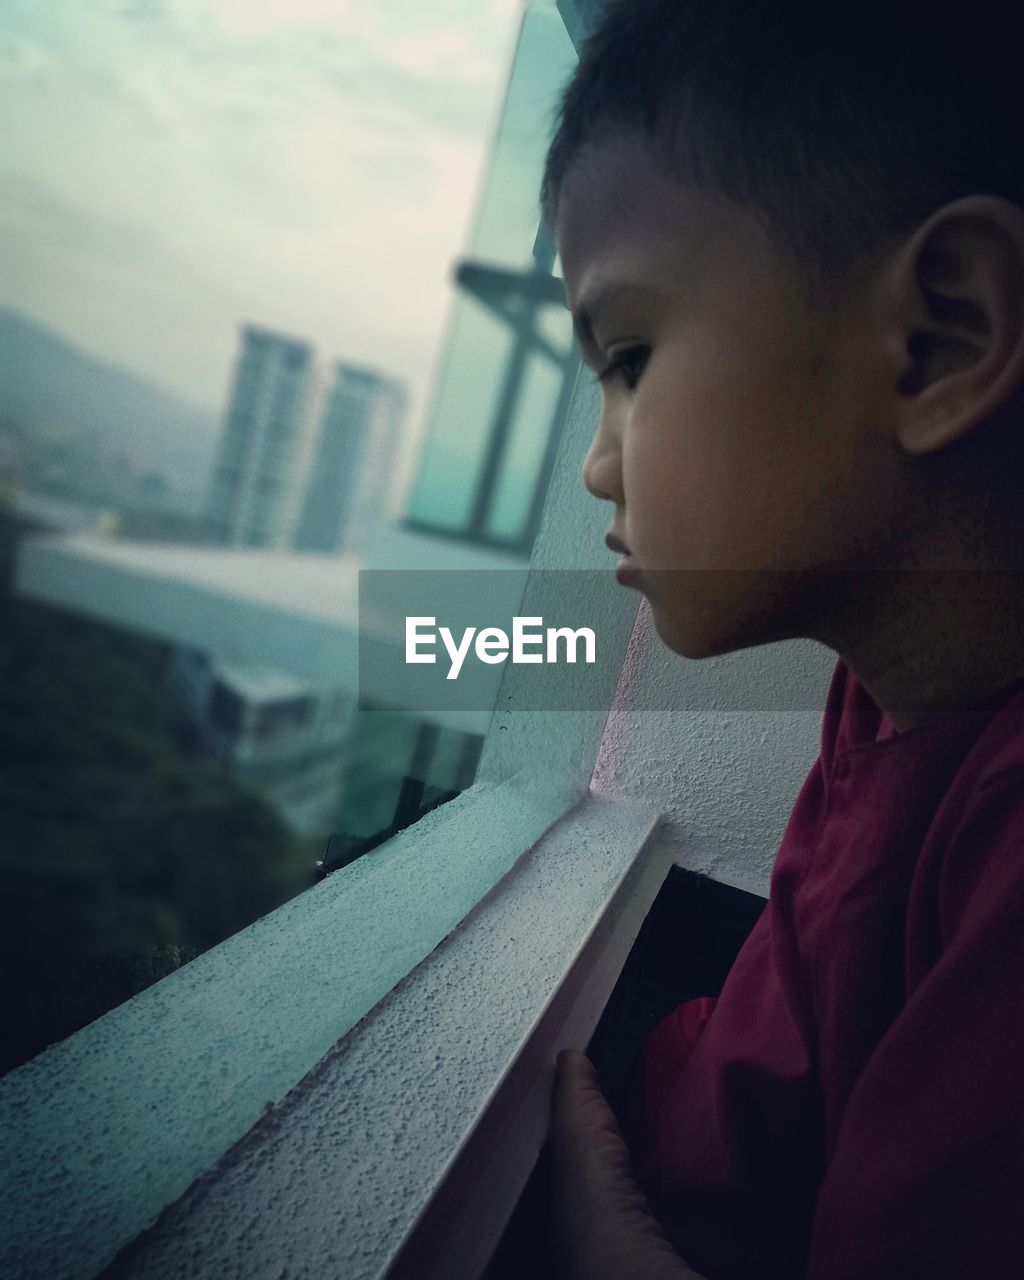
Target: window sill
x=437, y=1097
x=404, y=1151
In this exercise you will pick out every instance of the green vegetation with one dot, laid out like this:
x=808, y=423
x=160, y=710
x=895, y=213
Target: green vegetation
x=120, y=858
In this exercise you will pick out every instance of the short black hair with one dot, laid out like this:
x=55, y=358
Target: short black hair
x=840, y=123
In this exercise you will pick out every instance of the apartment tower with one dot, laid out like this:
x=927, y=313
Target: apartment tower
x=252, y=496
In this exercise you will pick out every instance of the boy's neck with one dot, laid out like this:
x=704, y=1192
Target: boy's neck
x=939, y=642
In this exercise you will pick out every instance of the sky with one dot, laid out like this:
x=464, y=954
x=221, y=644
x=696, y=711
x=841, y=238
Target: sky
x=173, y=168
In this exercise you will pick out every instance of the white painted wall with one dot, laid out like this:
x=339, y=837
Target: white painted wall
x=720, y=745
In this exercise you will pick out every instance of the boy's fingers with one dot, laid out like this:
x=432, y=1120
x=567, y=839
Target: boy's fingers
x=606, y=1228
x=579, y=1112
x=574, y=1076
x=571, y=1062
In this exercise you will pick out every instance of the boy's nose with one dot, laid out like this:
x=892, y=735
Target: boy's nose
x=602, y=472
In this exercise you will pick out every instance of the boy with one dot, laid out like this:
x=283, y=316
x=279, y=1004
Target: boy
x=793, y=243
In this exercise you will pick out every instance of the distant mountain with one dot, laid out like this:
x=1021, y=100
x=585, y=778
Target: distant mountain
x=49, y=387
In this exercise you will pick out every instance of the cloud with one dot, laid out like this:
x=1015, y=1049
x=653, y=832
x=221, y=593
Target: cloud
x=311, y=165
x=92, y=276
x=440, y=39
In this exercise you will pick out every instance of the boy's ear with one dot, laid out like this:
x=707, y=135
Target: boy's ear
x=960, y=281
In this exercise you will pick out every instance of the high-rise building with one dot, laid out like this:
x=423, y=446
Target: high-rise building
x=352, y=465
x=253, y=490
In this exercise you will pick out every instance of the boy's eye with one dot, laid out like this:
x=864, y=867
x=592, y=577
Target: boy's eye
x=628, y=365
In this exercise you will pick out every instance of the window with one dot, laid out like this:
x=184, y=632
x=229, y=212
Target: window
x=227, y=711
x=182, y=417
x=287, y=987
x=276, y=718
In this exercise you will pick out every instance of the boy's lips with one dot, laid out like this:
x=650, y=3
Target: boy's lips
x=626, y=570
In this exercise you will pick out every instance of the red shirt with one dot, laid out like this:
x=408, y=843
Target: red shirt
x=854, y=1107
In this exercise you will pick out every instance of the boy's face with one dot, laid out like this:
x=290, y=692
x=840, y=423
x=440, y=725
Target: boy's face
x=734, y=409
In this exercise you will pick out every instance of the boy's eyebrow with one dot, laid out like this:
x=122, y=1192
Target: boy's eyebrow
x=602, y=295
x=584, y=334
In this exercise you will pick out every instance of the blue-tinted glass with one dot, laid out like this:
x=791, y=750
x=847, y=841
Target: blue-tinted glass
x=467, y=398
x=521, y=465
x=473, y=379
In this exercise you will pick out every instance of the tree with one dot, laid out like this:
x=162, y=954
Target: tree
x=121, y=858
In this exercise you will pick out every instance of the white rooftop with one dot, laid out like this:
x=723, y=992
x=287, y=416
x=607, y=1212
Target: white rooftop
x=257, y=683
x=318, y=586
x=295, y=616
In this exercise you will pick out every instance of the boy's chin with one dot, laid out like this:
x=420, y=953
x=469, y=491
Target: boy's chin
x=690, y=641
x=732, y=615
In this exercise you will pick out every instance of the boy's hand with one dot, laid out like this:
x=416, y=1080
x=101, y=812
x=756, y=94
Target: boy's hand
x=606, y=1228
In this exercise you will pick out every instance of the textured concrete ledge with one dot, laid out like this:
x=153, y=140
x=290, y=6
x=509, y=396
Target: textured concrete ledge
x=449, y=1075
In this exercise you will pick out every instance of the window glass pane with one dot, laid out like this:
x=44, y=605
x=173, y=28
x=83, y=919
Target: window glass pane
x=475, y=428
x=539, y=396
x=382, y=749
x=507, y=219
x=231, y=230
x=467, y=400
